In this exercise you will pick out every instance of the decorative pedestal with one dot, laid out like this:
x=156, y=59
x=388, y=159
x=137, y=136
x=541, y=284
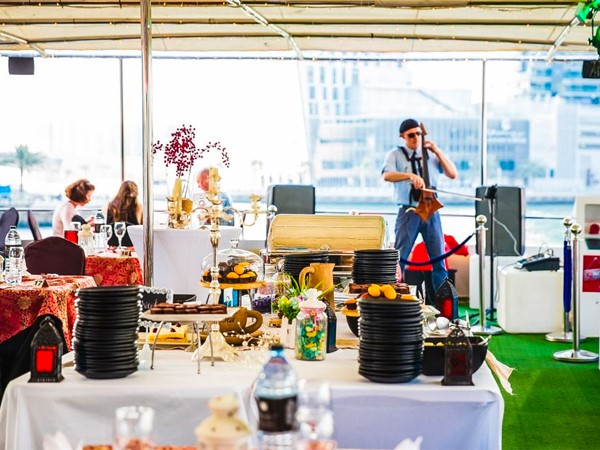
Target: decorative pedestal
x=530, y=302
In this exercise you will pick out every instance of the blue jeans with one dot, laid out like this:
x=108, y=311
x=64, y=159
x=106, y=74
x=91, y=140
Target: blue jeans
x=408, y=227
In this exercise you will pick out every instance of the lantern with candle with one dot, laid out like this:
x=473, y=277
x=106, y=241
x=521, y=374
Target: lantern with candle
x=46, y=354
x=446, y=300
x=458, y=359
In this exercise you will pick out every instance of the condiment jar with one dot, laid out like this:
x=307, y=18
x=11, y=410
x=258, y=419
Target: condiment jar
x=311, y=328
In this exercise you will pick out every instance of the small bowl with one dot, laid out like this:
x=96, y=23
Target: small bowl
x=433, y=355
x=352, y=316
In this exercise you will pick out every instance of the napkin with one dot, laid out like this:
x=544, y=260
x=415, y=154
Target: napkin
x=58, y=441
x=501, y=370
x=409, y=444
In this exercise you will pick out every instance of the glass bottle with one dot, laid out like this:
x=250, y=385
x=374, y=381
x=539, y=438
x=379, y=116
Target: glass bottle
x=331, y=327
x=265, y=294
x=99, y=220
x=311, y=328
x=276, y=396
x=12, y=239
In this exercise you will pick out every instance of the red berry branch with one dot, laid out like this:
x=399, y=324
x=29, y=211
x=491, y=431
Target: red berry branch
x=181, y=151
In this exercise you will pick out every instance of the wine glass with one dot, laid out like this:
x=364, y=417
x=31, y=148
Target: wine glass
x=133, y=427
x=315, y=411
x=120, y=229
x=107, y=231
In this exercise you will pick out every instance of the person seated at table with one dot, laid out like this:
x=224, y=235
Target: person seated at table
x=78, y=194
x=125, y=207
x=202, y=178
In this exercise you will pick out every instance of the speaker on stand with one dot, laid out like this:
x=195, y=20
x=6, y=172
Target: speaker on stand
x=504, y=209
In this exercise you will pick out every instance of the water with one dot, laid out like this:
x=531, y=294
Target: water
x=276, y=396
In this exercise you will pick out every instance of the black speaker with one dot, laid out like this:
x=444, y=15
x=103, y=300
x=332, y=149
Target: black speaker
x=292, y=198
x=20, y=66
x=509, y=215
x=590, y=69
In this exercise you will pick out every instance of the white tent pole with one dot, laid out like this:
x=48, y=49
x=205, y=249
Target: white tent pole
x=146, y=22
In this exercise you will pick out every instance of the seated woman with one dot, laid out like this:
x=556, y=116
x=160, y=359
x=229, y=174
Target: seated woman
x=125, y=206
x=78, y=194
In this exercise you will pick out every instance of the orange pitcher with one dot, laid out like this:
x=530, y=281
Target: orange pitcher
x=320, y=276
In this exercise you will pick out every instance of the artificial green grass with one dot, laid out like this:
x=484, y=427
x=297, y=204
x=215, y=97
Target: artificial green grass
x=555, y=405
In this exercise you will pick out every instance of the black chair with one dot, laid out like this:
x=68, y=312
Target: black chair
x=15, y=352
x=114, y=241
x=33, y=226
x=9, y=218
x=55, y=255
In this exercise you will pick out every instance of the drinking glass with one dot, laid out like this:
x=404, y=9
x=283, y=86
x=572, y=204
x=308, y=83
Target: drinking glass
x=315, y=412
x=107, y=231
x=120, y=229
x=133, y=428
x=14, y=274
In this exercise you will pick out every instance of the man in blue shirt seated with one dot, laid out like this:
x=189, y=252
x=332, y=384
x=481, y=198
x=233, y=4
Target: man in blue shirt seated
x=203, y=183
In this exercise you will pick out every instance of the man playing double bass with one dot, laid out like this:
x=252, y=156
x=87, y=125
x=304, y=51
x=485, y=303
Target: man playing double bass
x=403, y=167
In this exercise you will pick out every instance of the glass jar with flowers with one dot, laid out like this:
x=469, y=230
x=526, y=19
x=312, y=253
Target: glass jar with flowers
x=180, y=154
x=288, y=307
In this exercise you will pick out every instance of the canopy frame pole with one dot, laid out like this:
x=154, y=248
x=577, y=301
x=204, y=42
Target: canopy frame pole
x=146, y=38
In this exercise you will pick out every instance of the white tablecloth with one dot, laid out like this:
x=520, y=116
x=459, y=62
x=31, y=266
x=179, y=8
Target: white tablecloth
x=367, y=415
x=178, y=256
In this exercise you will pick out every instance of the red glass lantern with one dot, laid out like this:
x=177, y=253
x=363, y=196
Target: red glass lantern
x=458, y=359
x=46, y=354
x=446, y=300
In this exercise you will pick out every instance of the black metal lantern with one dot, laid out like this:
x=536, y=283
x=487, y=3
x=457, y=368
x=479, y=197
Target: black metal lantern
x=458, y=359
x=46, y=354
x=446, y=300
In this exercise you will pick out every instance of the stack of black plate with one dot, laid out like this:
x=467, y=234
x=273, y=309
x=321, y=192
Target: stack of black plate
x=294, y=263
x=391, y=340
x=106, y=331
x=375, y=266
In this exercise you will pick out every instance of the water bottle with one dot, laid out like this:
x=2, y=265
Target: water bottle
x=12, y=240
x=99, y=220
x=276, y=396
x=13, y=271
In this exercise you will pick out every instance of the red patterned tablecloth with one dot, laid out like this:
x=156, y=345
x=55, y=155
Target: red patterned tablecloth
x=112, y=269
x=21, y=305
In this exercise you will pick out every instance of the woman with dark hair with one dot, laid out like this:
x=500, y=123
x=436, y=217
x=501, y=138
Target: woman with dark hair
x=125, y=206
x=78, y=194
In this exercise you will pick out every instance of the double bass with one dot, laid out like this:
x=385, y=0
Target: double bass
x=428, y=202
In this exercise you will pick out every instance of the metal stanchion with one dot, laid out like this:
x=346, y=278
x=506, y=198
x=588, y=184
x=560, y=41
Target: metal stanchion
x=575, y=354
x=566, y=334
x=482, y=328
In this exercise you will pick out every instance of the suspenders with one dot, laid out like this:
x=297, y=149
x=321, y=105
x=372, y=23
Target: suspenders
x=417, y=168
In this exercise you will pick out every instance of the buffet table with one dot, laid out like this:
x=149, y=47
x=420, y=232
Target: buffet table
x=21, y=305
x=367, y=415
x=178, y=255
x=111, y=269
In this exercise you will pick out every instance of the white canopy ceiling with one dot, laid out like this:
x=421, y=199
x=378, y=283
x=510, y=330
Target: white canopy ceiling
x=330, y=25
